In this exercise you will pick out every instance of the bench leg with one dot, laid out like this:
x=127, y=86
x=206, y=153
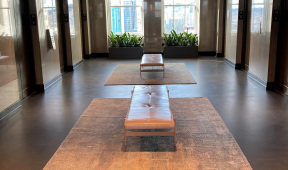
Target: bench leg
x=124, y=137
x=163, y=72
x=174, y=132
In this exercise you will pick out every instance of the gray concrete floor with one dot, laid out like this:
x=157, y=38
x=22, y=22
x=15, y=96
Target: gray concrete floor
x=258, y=119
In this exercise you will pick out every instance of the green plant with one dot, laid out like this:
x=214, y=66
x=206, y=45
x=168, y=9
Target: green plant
x=112, y=39
x=136, y=40
x=121, y=39
x=193, y=40
x=168, y=39
x=182, y=39
x=125, y=40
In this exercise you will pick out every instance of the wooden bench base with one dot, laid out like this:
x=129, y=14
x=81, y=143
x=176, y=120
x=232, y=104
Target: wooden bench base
x=139, y=133
x=152, y=60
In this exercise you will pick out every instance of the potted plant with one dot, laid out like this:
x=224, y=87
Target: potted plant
x=125, y=46
x=183, y=45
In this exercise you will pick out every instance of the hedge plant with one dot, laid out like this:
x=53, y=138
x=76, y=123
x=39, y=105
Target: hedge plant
x=125, y=40
x=181, y=39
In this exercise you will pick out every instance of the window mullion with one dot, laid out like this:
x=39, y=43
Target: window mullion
x=131, y=17
x=185, y=11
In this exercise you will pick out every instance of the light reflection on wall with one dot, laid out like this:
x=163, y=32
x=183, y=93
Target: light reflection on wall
x=9, y=92
x=75, y=30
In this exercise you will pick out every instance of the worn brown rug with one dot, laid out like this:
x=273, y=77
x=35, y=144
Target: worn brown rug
x=202, y=140
x=129, y=74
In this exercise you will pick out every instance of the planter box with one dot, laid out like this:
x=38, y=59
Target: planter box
x=181, y=51
x=125, y=52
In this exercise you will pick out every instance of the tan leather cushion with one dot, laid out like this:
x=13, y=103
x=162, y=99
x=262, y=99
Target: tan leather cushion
x=149, y=118
x=149, y=109
x=152, y=60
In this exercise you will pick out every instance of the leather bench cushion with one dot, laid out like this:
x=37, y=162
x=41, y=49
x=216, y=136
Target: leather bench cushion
x=149, y=118
x=152, y=60
x=147, y=96
x=149, y=109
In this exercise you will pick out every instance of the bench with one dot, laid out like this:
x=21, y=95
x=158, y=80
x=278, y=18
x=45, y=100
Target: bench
x=149, y=110
x=151, y=60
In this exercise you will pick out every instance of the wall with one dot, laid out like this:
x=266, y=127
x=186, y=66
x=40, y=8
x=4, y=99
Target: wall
x=282, y=67
x=76, y=35
x=152, y=26
x=220, y=27
x=73, y=33
x=207, y=32
x=98, y=33
x=231, y=30
x=9, y=90
x=16, y=70
x=47, y=62
x=24, y=53
x=208, y=25
x=49, y=58
x=260, y=33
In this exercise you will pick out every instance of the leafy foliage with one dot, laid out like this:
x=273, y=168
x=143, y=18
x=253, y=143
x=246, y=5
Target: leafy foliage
x=125, y=40
x=182, y=39
x=113, y=39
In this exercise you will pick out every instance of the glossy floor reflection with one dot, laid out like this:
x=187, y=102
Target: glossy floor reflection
x=9, y=94
x=258, y=119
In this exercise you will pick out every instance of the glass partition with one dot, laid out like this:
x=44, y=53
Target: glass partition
x=9, y=91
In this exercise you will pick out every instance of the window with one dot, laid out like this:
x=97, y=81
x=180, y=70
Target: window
x=261, y=11
x=180, y=15
x=50, y=15
x=126, y=16
x=234, y=23
x=71, y=17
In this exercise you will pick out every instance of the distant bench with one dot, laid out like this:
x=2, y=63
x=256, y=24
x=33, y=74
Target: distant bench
x=152, y=60
x=149, y=109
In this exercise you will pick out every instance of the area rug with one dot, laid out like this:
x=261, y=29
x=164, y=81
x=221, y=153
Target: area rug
x=202, y=140
x=129, y=74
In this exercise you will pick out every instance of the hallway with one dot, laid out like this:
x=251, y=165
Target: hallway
x=258, y=119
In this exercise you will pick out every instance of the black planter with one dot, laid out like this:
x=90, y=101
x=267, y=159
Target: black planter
x=125, y=52
x=181, y=51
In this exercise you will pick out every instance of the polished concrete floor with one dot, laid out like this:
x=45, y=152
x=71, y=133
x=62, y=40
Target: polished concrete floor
x=258, y=119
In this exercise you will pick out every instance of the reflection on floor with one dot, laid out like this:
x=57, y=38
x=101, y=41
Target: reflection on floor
x=9, y=94
x=258, y=119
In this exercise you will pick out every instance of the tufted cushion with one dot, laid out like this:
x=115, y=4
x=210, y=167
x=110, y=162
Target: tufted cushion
x=152, y=60
x=149, y=109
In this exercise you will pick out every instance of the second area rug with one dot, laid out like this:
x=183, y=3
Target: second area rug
x=202, y=140
x=129, y=74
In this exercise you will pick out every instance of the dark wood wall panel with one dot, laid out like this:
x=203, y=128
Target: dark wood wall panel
x=282, y=68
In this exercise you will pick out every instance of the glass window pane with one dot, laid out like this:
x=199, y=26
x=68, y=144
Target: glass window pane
x=70, y=2
x=190, y=19
x=179, y=2
x=116, y=20
x=234, y=18
x=5, y=25
x=257, y=17
x=4, y=4
x=138, y=2
x=71, y=20
x=132, y=19
x=126, y=2
x=179, y=18
x=190, y=2
x=49, y=3
x=50, y=19
x=168, y=19
x=115, y=3
x=168, y=2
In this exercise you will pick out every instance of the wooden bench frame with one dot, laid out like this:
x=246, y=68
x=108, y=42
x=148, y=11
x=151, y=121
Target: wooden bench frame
x=132, y=132
x=152, y=65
